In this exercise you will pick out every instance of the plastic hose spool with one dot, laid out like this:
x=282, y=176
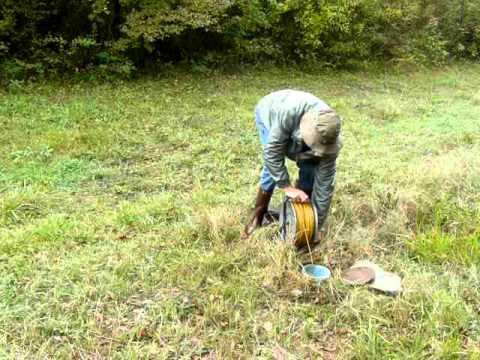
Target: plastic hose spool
x=298, y=223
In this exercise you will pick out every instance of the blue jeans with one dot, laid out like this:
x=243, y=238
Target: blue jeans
x=306, y=172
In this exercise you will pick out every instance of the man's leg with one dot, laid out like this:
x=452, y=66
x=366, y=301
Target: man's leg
x=266, y=182
x=317, y=180
x=306, y=176
x=265, y=191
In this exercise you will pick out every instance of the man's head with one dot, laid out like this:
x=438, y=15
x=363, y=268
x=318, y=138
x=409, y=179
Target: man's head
x=320, y=130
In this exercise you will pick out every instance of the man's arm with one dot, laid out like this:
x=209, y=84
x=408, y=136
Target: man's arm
x=324, y=186
x=274, y=154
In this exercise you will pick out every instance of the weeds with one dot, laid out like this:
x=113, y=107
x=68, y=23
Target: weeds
x=121, y=208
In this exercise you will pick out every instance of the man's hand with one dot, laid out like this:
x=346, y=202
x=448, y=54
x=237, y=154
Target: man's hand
x=295, y=194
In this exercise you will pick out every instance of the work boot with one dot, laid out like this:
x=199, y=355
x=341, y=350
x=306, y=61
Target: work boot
x=261, y=208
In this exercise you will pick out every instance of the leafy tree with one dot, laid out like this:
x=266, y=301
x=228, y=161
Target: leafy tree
x=114, y=36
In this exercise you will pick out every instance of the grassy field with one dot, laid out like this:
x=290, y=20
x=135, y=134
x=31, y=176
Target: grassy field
x=121, y=207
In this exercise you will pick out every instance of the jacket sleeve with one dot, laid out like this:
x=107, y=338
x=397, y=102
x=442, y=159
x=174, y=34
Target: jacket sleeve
x=274, y=153
x=324, y=186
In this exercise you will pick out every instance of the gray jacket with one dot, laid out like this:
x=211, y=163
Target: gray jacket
x=280, y=113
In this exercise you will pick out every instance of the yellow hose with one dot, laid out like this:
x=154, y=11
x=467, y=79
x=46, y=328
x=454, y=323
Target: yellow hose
x=305, y=223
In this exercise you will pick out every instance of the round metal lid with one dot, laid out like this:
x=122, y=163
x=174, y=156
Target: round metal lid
x=358, y=275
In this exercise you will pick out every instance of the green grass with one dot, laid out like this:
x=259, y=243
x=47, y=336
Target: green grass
x=121, y=207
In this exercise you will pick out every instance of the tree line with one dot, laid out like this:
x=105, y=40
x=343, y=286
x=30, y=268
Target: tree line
x=119, y=36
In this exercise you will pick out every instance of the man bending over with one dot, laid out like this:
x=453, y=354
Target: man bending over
x=299, y=126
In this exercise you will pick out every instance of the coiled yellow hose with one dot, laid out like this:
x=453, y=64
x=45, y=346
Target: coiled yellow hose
x=305, y=223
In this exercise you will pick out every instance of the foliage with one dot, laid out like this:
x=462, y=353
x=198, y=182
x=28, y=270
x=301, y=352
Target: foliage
x=76, y=36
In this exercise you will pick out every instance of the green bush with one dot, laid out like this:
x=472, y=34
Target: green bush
x=113, y=37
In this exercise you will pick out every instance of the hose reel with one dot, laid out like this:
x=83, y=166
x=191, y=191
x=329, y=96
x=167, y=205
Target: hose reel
x=298, y=223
